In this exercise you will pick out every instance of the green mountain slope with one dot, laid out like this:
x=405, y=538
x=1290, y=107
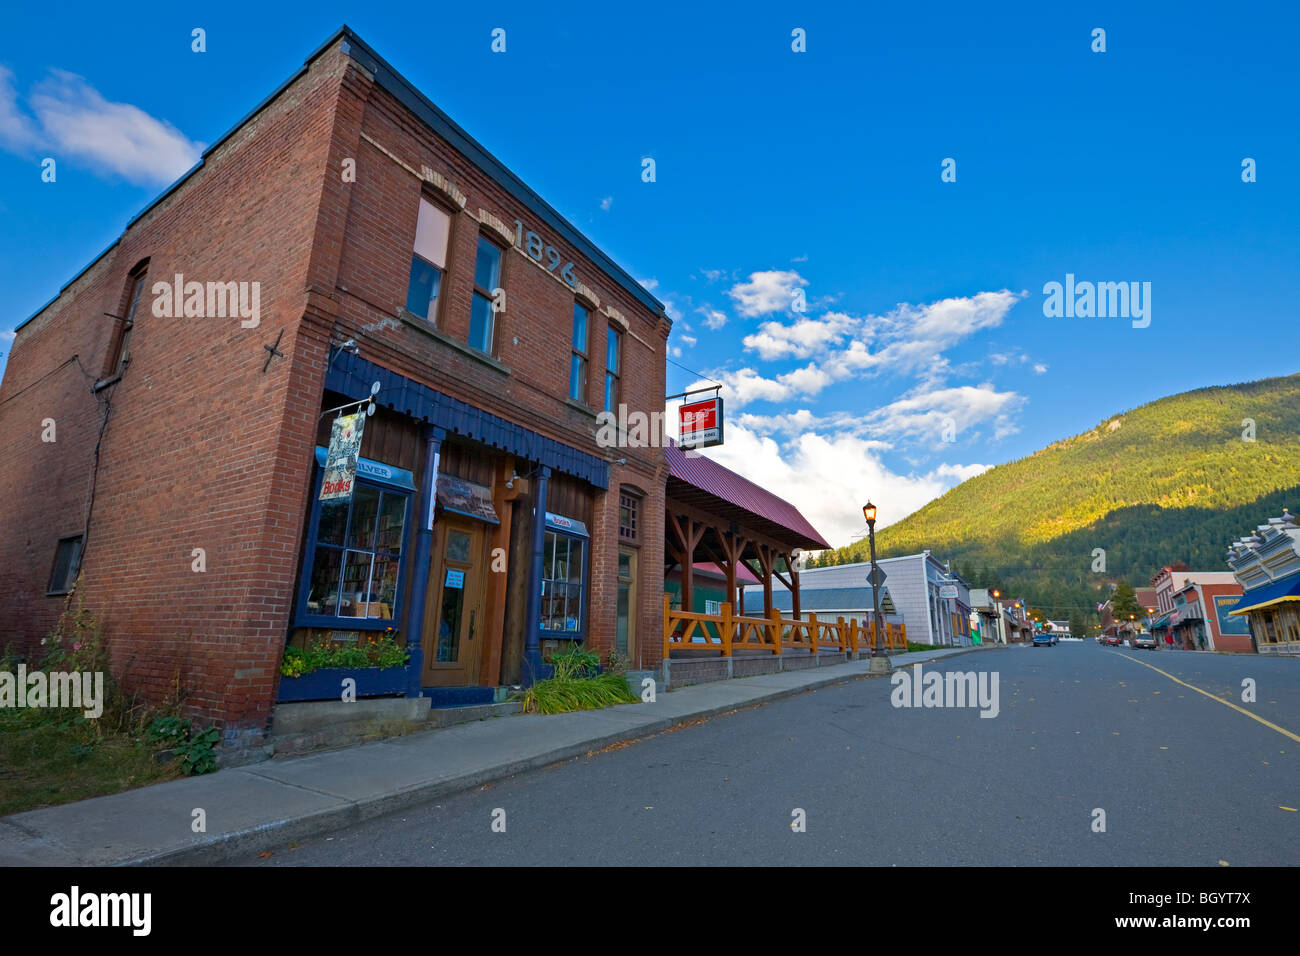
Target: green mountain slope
x=1171, y=480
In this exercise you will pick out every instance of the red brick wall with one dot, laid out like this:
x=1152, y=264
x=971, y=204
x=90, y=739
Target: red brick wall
x=202, y=450
x=1230, y=643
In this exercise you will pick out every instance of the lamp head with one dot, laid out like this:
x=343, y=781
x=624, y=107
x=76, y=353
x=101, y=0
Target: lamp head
x=869, y=512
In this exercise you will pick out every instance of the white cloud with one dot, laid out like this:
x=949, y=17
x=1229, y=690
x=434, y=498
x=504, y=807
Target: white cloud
x=800, y=340
x=910, y=340
x=17, y=129
x=689, y=340
x=1040, y=368
x=712, y=317
x=648, y=284
x=766, y=292
x=926, y=414
x=70, y=116
x=828, y=477
x=606, y=203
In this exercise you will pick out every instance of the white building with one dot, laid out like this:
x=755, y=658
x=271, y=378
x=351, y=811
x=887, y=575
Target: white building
x=934, y=603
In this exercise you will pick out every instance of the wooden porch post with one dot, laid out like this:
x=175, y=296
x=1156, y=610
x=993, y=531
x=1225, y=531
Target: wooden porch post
x=794, y=586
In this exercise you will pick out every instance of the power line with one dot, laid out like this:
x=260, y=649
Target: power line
x=693, y=372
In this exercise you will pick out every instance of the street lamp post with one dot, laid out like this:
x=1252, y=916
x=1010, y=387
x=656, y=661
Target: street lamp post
x=879, y=660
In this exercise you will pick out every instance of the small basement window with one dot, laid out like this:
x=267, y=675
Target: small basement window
x=67, y=562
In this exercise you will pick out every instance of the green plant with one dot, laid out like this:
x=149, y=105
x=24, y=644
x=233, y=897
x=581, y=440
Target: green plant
x=381, y=651
x=195, y=751
x=576, y=662
x=561, y=695
x=199, y=754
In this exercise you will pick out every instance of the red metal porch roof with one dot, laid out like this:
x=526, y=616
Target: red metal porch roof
x=699, y=481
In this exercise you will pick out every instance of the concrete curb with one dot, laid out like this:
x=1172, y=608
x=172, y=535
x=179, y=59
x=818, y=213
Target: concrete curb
x=239, y=844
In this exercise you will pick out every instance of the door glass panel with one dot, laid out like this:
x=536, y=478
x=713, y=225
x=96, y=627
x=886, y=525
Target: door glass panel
x=458, y=546
x=624, y=564
x=453, y=605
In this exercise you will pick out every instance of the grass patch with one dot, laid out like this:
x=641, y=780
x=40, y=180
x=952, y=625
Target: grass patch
x=578, y=685
x=55, y=755
x=560, y=695
x=45, y=760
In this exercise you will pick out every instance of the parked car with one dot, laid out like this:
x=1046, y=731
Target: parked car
x=1145, y=640
x=1044, y=640
x=1112, y=640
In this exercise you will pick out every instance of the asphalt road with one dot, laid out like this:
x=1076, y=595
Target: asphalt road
x=1183, y=779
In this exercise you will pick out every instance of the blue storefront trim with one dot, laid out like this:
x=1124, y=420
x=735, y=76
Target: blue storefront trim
x=352, y=376
x=327, y=683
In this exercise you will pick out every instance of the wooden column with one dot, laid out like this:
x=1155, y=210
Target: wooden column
x=765, y=565
x=688, y=533
x=502, y=499
x=794, y=585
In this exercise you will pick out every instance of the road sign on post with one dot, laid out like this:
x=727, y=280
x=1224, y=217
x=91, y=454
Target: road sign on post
x=876, y=577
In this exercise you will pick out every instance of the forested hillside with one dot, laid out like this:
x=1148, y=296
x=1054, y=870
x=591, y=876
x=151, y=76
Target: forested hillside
x=1172, y=480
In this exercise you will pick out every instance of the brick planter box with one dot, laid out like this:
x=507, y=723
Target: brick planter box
x=327, y=683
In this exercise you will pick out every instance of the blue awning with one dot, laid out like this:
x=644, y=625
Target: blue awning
x=351, y=375
x=1288, y=589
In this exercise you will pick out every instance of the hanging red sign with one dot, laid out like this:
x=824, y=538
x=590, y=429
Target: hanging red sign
x=700, y=423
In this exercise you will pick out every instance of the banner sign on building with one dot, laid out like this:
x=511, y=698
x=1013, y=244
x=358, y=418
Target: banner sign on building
x=947, y=590
x=342, y=457
x=700, y=423
x=1227, y=623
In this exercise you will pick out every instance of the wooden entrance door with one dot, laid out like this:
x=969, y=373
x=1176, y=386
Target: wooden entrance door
x=454, y=632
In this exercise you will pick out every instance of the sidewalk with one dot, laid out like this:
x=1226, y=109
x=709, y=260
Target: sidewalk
x=256, y=807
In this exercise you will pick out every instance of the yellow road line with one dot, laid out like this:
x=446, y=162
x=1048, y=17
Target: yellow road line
x=1226, y=703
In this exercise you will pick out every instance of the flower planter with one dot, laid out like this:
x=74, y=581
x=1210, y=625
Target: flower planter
x=327, y=683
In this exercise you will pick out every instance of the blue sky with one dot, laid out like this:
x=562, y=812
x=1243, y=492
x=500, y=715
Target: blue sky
x=778, y=171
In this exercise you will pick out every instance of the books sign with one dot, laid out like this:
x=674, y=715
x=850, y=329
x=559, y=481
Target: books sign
x=700, y=423
x=342, y=457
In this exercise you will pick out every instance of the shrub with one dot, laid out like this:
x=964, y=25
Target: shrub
x=577, y=685
x=381, y=651
x=562, y=695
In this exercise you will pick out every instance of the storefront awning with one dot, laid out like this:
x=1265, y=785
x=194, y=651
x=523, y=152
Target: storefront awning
x=466, y=498
x=568, y=525
x=1288, y=589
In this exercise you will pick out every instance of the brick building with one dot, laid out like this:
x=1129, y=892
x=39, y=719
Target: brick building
x=346, y=232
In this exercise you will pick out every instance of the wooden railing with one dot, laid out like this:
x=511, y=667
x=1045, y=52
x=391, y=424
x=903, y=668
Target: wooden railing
x=727, y=632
